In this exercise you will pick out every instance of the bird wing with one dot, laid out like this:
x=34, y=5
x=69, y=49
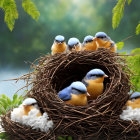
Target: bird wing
x=64, y=94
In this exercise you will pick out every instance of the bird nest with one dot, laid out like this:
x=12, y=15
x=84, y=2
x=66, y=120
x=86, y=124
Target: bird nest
x=99, y=118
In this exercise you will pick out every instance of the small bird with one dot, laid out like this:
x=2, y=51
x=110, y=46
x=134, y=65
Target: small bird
x=29, y=104
x=134, y=100
x=105, y=41
x=59, y=45
x=28, y=114
x=23, y=110
x=74, y=44
x=89, y=43
x=94, y=82
x=75, y=94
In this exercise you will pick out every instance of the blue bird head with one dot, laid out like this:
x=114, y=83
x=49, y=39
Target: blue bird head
x=74, y=88
x=59, y=39
x=102, y=35
x=135, y=95
x=72, y=42
x=78, y=88
x=95, y=73
x=88, y=38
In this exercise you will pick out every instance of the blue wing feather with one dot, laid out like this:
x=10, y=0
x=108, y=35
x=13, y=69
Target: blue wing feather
x=65, y=94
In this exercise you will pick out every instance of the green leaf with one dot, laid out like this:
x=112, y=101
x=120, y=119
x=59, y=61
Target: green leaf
x=134, y=65
x=2, y=110
x=4, y=136
x=135, y=51
x=129, y=1
x=69, y=138
x=61, y=138
x=118, y=13
x=120, y=45
x=1, y=3
x=3, y=103
x=138, y=29
x=15, y=97
x=123, y=52
x=11, y=13
x=9, y=101
x=3, y=96
x=6, y=104
x=31, y=9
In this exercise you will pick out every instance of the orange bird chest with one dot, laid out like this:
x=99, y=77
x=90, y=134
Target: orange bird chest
x=77, y=99
x=27, y=109
x=90, y=46
x=58, y=48
x=134, y=104
x=94, y=89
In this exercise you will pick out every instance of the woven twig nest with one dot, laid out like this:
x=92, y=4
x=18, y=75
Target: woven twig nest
x=100, y=118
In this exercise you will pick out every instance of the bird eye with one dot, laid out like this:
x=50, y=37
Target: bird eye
x=92, y=75
x=56, y=40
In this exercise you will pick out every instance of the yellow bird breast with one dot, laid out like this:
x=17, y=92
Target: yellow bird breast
x=134, y=104
x=28, y=108
x=106, y=44
x=94, y=88
x=76, y=48
x=90, y=46
x=59, y=48
x=79, y=100
x=101, y=43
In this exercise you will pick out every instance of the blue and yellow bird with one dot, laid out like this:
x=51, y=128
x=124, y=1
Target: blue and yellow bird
x=89, y=43
x=105, y=41
x=134, y=100
x=74, y=44
x=75, y=94
x=59, y=45
x=94, y=82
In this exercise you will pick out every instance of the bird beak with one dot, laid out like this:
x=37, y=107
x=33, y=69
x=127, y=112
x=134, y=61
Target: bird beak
x=60, y=43
x=94, y=39
x=88, y=94
x=106, y=76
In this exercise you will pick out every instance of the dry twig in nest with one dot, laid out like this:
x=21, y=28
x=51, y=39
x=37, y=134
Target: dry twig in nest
x=100, y=118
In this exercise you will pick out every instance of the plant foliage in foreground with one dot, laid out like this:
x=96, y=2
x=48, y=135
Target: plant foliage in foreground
x=11, y=14
x=118, y=11
x=7, y=104
x=134, y=65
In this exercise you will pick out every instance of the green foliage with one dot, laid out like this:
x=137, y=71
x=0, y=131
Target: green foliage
x=135, y=51
x=134, y=65
x=31, y=9
x=138, y=29
x=70, y=18
x=7, y=104
x=120, y=45
x=4, y=136
x=11, y=13
x=129, y=1
x=65, y=138
x=118, y=13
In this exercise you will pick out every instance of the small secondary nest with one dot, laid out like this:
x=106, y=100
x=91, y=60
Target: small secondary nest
x=100, y=118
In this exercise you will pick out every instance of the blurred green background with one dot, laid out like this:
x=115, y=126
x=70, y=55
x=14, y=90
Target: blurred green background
x=73, y=18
